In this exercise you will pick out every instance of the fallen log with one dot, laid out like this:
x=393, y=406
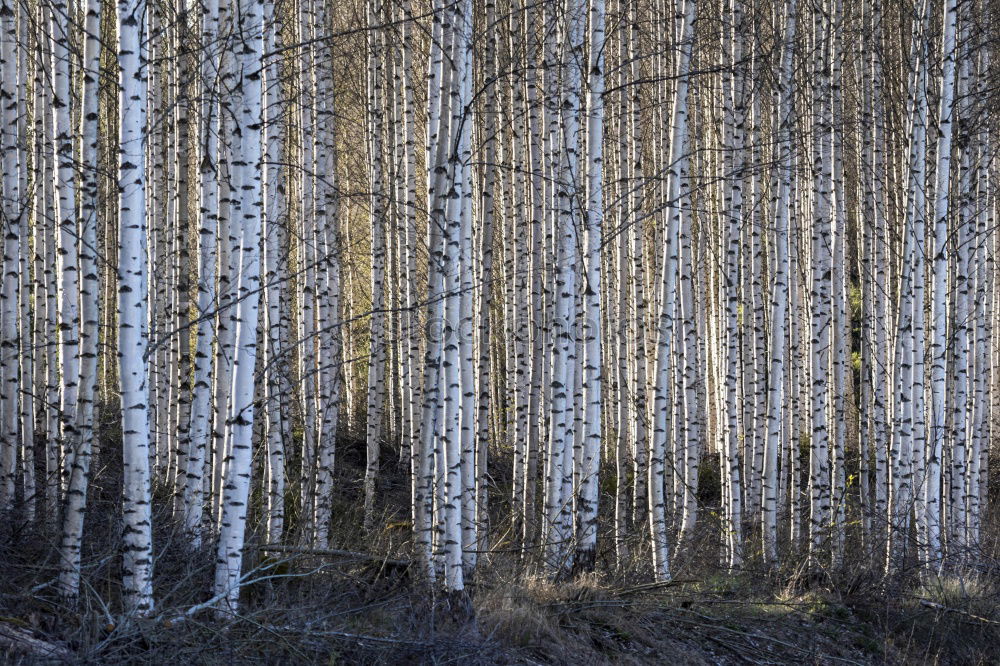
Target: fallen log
x=21, y=642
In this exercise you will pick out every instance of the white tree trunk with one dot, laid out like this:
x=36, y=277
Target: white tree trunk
x=133, y=335
x=735, y=109
x=821, y=284
x=938, y=269
x=377, y=357
x=592, y=362
x=201, y=412
x=328, y=278
x=248, y=177
x=780, y=296
x=10, y=381
x=425, y=451
x=664, y=374
x=76, y=496
x=68, y=251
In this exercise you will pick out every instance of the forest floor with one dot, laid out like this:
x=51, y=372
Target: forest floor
x=358, y=612
x=339, y=607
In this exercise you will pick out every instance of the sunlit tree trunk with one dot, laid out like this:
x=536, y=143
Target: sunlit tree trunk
x=592, y=362
x=68, y=235
x=779, y=294
x=937, y=259
x=307, y=306
x=449, y=450
x=328, y=278
x=734, y=85
x=10, y=380
x=961, y=333
x=76, y=495
x=465, y=316
x=412, y=366
x=664, y=362
x=247, y=173
x=427, y=451
x=133, y=335
x=201, y=412
x=377, y=358
x=639, y=345
x=28, y=323
x=821, y=286
x=228, y=266
x=276, y=278
x=46, y=253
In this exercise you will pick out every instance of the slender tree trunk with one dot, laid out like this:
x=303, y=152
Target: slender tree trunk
x=819, y=477
x=780, y=296
x=68, y=250
x=247, y=170
x=76, y=496
x=938, y=269
x=328, y=274
x=10, y=381
x=426, y=450
x=133, y=335
x=592, y=362
x=664, y=362
x=377, y=358
x=201, y=412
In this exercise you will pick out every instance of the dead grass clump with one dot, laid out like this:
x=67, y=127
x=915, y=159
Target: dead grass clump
x=953, y=619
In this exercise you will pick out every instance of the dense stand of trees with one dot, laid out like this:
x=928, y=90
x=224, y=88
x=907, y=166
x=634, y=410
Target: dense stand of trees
x=602, y=276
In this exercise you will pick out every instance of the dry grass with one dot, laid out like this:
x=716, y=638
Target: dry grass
x=328, y=610
x=323, y=610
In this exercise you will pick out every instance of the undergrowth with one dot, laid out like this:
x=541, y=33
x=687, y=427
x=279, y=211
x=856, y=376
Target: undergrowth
x=305, y=607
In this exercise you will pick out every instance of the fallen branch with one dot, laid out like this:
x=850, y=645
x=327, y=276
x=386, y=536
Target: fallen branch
x=650, y=587
x=15, y=640
x=946, y=609
x=334, y=552
x=355, y=637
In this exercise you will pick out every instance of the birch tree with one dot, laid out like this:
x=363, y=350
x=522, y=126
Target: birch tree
x=9, y=371
x=377, y=360
x=248, y=175
x=780, y=294
x=201, y=413
x=133, y=334
x=667, y=314
x=79, y=472
x=587, y=539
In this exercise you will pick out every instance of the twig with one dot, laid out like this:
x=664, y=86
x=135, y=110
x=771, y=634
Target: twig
x=334, y=552
x=756, y=634
x=650, y=587
x=344, y=634
x=946, y=609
